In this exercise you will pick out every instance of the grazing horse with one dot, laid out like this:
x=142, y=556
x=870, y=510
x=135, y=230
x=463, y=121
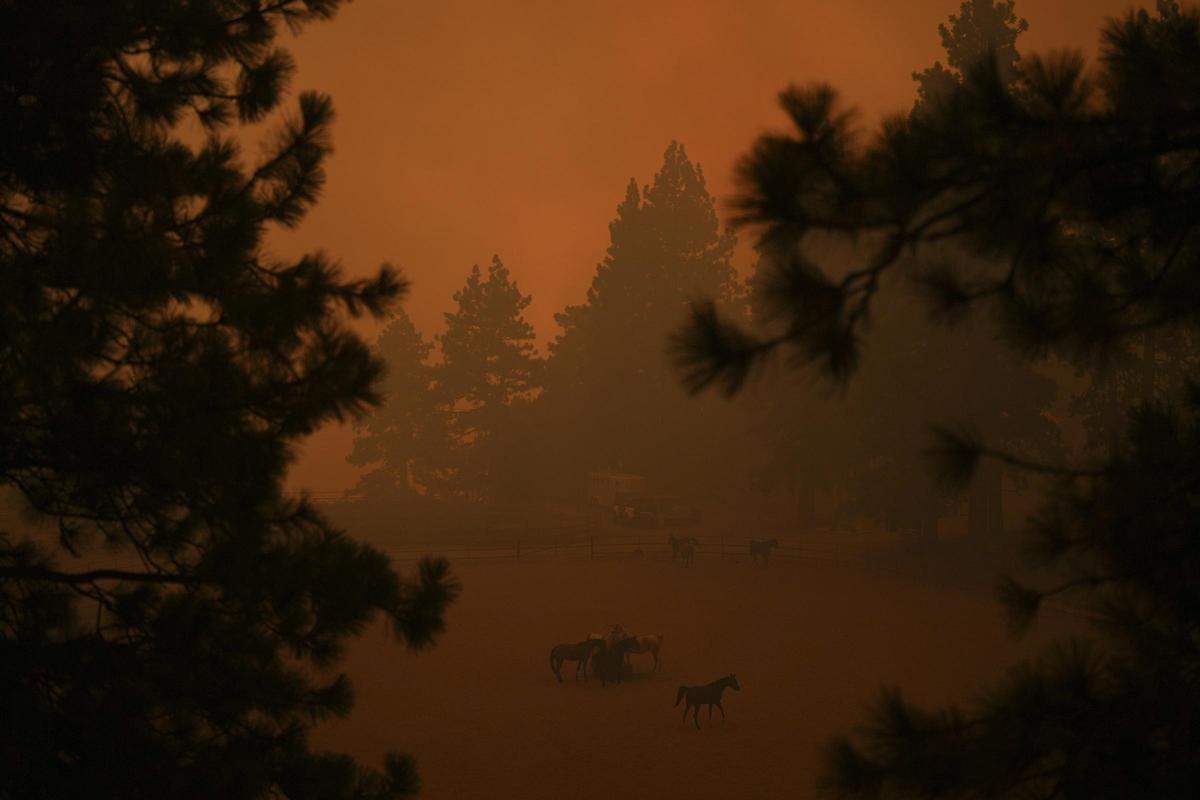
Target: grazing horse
x=760, y=549
x=683, y=550
x=707, y=695
x=608, y=664
x=649, y=643
x=579, y=652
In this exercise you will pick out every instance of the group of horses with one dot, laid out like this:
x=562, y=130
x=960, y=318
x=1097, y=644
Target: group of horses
x=607, y=655
x=683, y=549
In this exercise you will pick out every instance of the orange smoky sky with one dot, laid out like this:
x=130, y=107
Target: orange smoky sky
x=472, y=128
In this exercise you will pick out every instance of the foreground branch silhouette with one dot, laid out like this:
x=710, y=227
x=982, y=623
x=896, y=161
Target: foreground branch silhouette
x=169, y=626
x=1062, y=203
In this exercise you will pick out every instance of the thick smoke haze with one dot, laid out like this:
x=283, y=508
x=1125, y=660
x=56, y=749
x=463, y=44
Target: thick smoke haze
x=580, y=399
x=467, y=129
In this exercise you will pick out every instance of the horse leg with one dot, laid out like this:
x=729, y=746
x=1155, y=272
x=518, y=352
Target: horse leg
x=720, y=707
x=686, y=708
x=556, y=665
x=696, y=716
x=710, y=705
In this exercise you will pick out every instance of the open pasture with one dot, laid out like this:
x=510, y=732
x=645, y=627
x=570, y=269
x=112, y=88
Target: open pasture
x=810, y=642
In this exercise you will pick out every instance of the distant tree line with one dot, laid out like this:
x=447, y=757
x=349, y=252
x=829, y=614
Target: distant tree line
x=475, y=415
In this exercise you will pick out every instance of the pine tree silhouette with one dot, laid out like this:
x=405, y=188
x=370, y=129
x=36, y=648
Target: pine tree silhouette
x=489, y=370
x=1071, y=200
x=170, y=628
x=402, y=440
x=611, y=394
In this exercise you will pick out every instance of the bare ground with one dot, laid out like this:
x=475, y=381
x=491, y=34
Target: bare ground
x=810, y=642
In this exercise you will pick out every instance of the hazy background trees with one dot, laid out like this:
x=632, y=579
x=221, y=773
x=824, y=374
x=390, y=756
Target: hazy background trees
x=611, y=399
x=399, y=443
x=488, y=372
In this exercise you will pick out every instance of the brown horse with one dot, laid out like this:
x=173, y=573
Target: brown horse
x=579, y=652
x=760, y=549
x=649, y=643
x=707, y=695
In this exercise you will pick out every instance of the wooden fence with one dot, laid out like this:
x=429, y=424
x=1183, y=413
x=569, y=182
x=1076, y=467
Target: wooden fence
x=638, y=546
x=845, y=548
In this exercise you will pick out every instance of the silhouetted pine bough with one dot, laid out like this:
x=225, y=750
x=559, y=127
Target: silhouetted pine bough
x=170, y=633
x=1064, y=204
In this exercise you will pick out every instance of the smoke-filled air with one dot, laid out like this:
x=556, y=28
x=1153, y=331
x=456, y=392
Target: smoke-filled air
x=598, y=400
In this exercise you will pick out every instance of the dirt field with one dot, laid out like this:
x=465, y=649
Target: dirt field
x=809, y=642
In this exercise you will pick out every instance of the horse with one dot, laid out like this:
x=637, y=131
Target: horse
x=707, y=695
x=608, y=663
x=579, y=652
x=649, y=643
x=761, y=549
x=615, y=634
x=683, y=550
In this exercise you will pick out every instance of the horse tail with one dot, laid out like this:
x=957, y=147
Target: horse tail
x=553, y=666
x=679, y=695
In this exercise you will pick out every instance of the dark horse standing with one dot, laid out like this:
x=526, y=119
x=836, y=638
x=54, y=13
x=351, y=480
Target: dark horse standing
x=683, y=550
x=579, y=652
x=707, y=695
x=608, y=664
x=760, y=550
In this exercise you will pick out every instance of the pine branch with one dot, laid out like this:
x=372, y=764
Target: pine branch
x=46, y=575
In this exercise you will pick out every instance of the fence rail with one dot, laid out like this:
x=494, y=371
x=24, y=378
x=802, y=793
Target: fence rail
x=845, y=549
x=632, y=547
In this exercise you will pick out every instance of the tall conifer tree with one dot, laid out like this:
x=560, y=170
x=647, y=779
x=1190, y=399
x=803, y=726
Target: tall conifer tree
x=489, y=369
x=172, y=626
x=611, y=392
x=400, y=440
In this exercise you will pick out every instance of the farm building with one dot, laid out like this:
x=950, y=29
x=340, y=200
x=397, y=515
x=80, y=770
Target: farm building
x=604, y=487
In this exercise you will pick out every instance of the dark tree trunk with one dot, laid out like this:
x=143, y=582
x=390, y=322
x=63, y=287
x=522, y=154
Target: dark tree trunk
x=929, y=527
x=985, y=507
x=1149, y=365
x=995, y=488
x=806, y=505
x=977, y=504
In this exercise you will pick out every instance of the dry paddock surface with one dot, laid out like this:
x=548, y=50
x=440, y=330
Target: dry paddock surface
x=810, y=642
